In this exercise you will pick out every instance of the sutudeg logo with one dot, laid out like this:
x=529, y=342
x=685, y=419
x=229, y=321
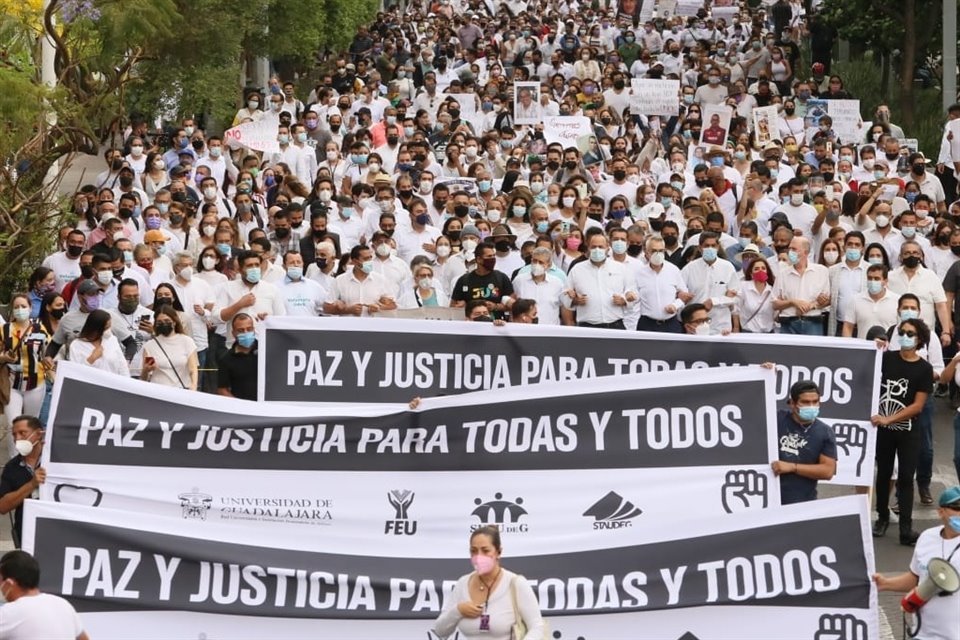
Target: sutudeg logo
x=612, y=511
x=503, y=514
x=401, y=525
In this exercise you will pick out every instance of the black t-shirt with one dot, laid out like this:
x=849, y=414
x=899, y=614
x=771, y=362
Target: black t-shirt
x=238, y=373
x=900, y=383
x=16, y=474
x=490, y=287
x=951, y=284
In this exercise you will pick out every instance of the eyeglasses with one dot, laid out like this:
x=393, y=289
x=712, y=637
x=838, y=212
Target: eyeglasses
x=909, y=334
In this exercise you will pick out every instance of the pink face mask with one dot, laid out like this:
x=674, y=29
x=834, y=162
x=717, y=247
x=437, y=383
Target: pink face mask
x=573, y=243
x=483, y=564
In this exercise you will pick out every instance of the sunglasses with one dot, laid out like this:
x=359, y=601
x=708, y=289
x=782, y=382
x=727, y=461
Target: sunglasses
x=909, y=334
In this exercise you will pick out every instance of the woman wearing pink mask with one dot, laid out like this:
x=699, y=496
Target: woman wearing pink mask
x=486, y=603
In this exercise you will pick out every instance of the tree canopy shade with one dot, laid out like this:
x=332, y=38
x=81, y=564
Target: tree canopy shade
x=116, y=56
x=887, y=26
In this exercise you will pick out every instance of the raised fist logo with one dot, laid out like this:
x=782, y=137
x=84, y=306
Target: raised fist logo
x=852, y=440
x=744, y=489
x=75, y=494
x=841, y=626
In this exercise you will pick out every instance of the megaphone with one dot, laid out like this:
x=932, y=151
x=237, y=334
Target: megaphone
x=942, y=578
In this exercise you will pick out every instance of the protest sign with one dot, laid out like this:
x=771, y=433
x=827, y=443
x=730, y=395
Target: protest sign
x=566, y=130
x=846, y=120
x=326, y=360
x=459, y=184
x=766, y=125
x=654, y=97
x=805, y=568
x=664, y=439
x=424, y=313
x=260, y=135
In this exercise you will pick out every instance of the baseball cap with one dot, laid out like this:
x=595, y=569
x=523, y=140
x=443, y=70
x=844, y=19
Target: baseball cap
x=950, y=495
x=154, y=235
x=89, y=287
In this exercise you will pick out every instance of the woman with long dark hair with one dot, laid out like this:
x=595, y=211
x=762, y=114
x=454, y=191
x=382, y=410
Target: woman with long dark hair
x=97, y=347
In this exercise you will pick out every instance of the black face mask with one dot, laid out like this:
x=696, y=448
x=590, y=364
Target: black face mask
x=453, y=234
x=126, y=181
x=74, y=251
x=127, y=308
x=197, y=145
x=789, y=110
x=955, y=250
x=179, y=196
x=164, y=328
x=527, y=258
x=58, y=313
x=828, y=176
x=319, y=235
x=502, y=246
x=911, y=262
x=406, y=193
x=87, y=272
x=619, y=175
x=389, y=232
x=634, y=250
x=116, y=164
x=321, y=263
x=703, y=183
x=919, y=169
x=553, y=165
x=571, y=165
x=618, y=84
x=126, y=213
x=282, y=232
x=392, y=140
x=454, y=113
x=461, y=210
x=420, y=157
x=334, y=128
x=160, y=302
x=656, y=224
x=671, y=241
x=118, y=273
x=944, y=239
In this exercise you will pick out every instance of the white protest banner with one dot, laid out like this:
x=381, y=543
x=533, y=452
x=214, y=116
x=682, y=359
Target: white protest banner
x=566, y=129
x=726, y=13
x=425, y=313
x=260, y=135
x=846, y=118
x=459, y=184
x=688, y=8
x=804, y=568
x=654, y=97
x=655, y=440
x=305, y=360
x=646, y=10
x=766, y=123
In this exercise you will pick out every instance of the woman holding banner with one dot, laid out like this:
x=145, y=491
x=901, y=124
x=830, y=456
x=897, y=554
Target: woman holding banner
x=491, y=601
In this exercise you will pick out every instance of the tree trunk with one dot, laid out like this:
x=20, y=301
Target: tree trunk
x=908, y=60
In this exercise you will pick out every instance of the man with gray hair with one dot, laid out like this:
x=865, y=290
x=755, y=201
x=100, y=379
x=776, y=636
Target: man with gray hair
x=802, y=291
x=662, y=290
x=537, y=284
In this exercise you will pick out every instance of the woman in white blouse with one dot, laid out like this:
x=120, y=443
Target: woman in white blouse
x=753, y=307
x=485, y=603
x=170, y=358
x=97, y=347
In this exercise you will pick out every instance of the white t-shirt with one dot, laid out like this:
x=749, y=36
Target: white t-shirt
x=941, y=615
x=41, y=616
x=178, y=347
x=65, y=268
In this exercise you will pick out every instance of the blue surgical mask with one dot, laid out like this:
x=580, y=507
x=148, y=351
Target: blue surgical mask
x=666, y=203
x=908, y=314
x=954, y=522
x=793, y=257
x=253, y=275
x=223, y=249
x=246, y=339
x=808, y=414
x=484, y=185
x=598, y=255
x=163, y=206
x=542, y=226
x=367, y=267
x=743, y=242
x=710, y=254
x=853, y=255
x=908, y=342
x=128, y=256
x=874, y=286
x=295, y=273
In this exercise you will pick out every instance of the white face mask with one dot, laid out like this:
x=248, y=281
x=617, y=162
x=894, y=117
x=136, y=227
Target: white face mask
x=469, y=246
x=186, y=273
x=443, y=251
x=24, y=447
x=569, y=201
x=209, y=230
x=209, y=263
x=702, y=329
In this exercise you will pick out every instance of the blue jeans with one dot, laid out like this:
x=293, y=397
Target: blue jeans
x=802, y=326
x=956, y=444
x=925, y=464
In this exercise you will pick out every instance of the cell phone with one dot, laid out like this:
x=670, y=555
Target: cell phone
x=145, y=318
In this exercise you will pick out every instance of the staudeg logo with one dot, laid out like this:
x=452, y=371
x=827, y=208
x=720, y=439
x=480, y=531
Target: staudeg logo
x=612, y=511
x=195, y=505
x=401, y=525
x=503, y=514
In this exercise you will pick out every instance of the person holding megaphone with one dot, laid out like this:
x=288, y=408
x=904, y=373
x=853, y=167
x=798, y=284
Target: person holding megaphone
x=933, y=581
